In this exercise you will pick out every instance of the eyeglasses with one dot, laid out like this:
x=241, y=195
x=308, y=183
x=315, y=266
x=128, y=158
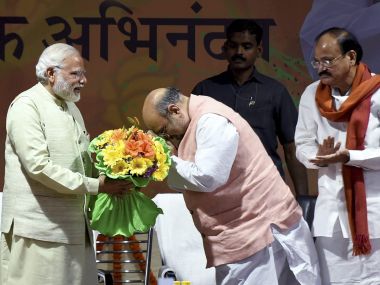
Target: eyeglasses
x=166, y=129
x=326, y=62
x=163, y=133
x=79, y=74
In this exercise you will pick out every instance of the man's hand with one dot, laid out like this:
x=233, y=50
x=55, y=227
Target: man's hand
x=114, y=187
x=329, y=153
x=327, y=147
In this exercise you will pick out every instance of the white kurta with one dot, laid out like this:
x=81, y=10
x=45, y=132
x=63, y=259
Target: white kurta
x=334, y=243
x=311, y=130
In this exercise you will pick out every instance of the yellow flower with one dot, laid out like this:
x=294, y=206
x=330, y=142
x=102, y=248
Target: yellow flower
x=104, y=138
x=161, y=173
x=120, y=167
x=161, y=158
x=113, y=153
x=158, y=146
x=139, y=165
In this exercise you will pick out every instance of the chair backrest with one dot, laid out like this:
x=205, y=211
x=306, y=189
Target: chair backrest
x=307, y=204
x=128, y=260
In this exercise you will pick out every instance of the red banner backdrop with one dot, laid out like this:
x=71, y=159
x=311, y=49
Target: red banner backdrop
x=133, y=47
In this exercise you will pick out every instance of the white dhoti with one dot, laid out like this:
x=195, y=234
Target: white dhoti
x=300, y=252
x=292, y=249
x=258, y=269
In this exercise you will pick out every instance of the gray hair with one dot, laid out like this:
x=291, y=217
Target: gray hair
x=53, y=56
x=347, y=41
x=171, y=96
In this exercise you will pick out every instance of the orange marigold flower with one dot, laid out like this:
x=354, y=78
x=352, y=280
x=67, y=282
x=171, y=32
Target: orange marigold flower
x=149, y=150
x=133, y=147
x=118, y=134
x=139, y=144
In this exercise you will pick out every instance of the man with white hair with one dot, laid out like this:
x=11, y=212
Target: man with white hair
x=45, y=238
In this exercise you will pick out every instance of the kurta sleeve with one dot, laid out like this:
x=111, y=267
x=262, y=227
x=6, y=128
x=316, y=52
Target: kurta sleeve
x=214, y=158
x=306, y=131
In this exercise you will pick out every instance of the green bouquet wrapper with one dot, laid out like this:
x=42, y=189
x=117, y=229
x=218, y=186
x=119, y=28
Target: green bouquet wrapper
x=126, y=215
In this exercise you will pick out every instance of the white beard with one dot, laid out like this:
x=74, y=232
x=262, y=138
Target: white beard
x=64, y=91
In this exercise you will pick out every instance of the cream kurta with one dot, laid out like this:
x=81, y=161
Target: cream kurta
x=46, y=164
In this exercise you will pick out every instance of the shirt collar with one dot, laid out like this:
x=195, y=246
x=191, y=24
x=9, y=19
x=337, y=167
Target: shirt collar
x=335, y=92
x=254, y=77
x=48, y=96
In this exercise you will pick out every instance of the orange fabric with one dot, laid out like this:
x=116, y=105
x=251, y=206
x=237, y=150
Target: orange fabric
x=355, y=110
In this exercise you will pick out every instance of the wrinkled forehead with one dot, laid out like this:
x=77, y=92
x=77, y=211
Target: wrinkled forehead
x=326, y=45
x=327, y=41
x=74, y=61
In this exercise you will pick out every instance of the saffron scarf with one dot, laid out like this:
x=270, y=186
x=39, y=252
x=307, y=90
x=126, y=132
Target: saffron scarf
x=355, y=110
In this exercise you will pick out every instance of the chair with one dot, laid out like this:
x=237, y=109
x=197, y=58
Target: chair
x=127, y=260
x=307, y=203
x=180, y=243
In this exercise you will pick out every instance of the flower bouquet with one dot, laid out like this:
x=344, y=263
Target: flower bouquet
x=139, y=157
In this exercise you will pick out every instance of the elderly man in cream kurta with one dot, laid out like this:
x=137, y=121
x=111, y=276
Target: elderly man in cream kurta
x=45, y=236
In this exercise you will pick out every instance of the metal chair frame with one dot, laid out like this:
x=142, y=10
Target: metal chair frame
x=147, y=251
x=104, y=277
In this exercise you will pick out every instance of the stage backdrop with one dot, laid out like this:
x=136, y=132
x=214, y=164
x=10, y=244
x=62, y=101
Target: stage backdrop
x=132, y=47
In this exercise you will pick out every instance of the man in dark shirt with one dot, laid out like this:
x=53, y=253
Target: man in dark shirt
x=262, y=101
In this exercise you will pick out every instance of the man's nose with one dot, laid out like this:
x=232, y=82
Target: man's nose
x=83, y=79
x=240, y=50
x=321, y=68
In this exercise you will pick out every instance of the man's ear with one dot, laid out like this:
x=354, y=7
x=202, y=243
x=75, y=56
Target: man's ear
x=352, y=55
x=50, y=72
x=173, y=109
x=260, y=49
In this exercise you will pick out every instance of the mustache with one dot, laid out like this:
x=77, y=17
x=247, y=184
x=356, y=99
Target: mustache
x=324, y=72
x=237, y=57
x=177, y=137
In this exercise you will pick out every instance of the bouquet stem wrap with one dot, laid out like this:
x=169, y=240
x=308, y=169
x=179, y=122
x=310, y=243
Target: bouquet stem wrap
x=133, y=212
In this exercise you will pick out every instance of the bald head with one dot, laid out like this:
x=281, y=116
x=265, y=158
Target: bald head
x=150, y=113
x=165, y=112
